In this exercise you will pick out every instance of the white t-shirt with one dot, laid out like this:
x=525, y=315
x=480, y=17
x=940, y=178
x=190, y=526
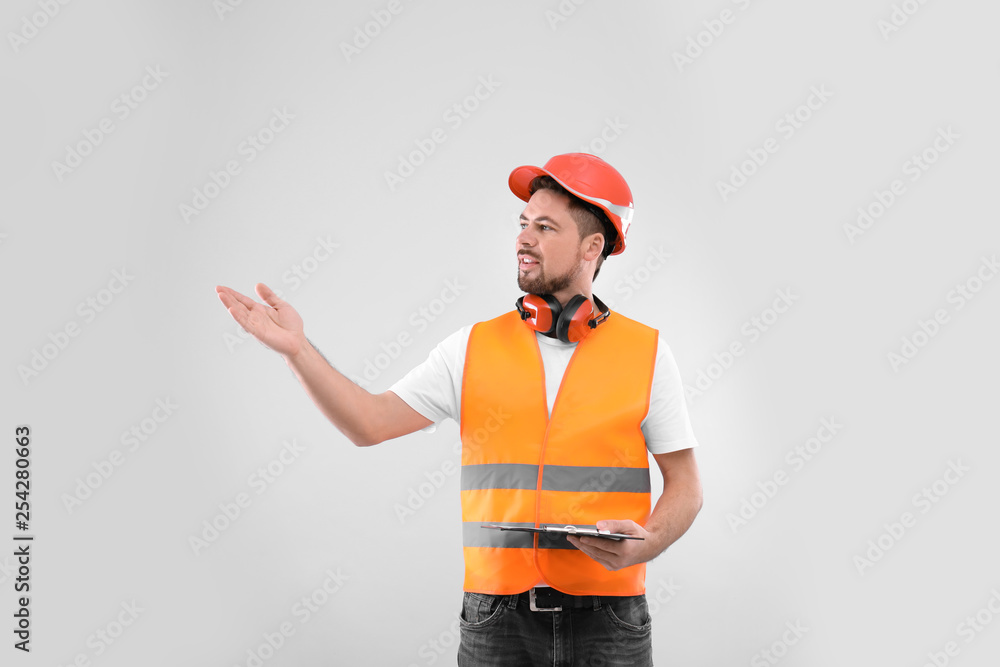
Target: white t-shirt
x=434, y=389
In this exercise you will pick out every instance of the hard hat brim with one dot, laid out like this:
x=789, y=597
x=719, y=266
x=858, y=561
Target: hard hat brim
x=520, y=180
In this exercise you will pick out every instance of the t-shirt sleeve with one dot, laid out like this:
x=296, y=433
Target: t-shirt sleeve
x=434, y=387
x=667, y=427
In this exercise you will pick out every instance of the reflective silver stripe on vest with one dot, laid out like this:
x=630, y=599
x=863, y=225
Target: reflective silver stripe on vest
x=474, y=535
x=499, y=476
x=555, y=478
x=588, y=478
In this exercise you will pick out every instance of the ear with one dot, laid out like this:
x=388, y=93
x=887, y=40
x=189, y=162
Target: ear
x=592, y=246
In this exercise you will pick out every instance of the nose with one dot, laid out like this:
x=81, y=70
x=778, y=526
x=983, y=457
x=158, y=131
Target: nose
x=525, y=238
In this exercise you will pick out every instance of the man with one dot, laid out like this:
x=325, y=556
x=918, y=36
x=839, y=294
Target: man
x=558, y=403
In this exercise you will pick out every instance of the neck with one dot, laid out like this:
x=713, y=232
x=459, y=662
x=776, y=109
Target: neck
x=563, y=296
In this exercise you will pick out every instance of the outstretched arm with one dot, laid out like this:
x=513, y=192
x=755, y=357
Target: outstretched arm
x=673, y=515
x=365, y=418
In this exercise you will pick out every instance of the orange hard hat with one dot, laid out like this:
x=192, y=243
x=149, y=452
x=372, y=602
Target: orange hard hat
x=591, y=179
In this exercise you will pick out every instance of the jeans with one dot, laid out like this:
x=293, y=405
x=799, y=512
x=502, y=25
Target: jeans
x=498, y=630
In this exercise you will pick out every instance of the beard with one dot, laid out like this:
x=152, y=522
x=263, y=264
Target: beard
x=540, y=283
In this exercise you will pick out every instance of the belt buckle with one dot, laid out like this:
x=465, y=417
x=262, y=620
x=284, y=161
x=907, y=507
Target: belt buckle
x=535, y=607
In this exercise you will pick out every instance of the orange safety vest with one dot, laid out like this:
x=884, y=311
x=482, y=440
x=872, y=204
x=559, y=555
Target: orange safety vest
x=586, y=463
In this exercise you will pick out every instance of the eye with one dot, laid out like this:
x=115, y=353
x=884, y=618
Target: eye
x=545, y=227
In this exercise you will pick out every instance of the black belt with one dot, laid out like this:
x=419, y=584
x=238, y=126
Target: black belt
x=546, y=598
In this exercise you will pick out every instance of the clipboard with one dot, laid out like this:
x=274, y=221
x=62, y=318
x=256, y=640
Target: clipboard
x=565, y=530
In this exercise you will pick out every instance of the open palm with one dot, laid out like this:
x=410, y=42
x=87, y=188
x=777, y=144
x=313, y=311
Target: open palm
x=276, y=324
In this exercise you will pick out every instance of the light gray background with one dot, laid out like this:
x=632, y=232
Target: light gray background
x=719, y=596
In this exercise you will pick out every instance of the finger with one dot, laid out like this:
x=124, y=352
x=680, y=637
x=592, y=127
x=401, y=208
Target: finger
x=597, y=555
x=268, y=295
x=235, y=308
x=224, y=297
x=222, y=289
x=241, y=299
x=603, y=546
x=594, y=547
x=618, y=526
x=241, y=309
x=576, y=542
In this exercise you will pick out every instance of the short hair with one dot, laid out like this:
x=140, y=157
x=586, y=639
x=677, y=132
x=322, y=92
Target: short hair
x=589, y=218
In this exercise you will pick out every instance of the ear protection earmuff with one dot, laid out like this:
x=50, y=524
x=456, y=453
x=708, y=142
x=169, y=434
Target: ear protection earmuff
x=570, y=324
